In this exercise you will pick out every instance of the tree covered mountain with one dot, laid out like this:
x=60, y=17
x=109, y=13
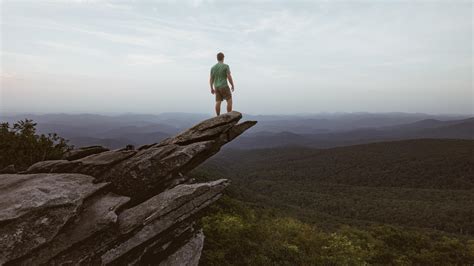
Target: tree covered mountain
x=425, y=184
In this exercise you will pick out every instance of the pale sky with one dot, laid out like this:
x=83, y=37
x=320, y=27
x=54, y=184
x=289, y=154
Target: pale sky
x=286, y=56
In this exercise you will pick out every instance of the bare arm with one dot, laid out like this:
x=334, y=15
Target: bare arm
x=229, y=77
x=211, y=82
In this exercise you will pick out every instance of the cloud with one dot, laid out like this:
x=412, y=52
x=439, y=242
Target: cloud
x=280, y=22
x=146, y=59
x=201, y=53
x=117, y=38
x=76, y=49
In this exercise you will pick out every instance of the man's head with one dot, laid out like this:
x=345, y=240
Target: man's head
x=220, y=57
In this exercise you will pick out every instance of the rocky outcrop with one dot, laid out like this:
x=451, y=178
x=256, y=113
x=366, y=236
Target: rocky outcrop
x=83, y=152
x=114, y=207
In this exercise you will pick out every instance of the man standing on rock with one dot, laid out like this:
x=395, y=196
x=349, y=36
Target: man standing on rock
x=220, y=73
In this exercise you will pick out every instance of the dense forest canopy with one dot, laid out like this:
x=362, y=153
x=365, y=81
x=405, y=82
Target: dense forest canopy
x=400, y=203
x=420, y=184
x=239, y=234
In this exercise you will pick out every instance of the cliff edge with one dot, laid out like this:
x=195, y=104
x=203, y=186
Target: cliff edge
x=127, y=206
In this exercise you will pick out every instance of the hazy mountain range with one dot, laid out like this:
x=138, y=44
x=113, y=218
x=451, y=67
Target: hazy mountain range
x=427, y=128
x=311, y=130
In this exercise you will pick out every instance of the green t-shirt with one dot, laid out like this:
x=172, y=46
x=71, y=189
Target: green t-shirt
x=219, y=74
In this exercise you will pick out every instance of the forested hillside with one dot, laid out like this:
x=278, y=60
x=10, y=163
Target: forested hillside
x=425, y=184
x=239, y=233
x=400, y=203
x=439, y=164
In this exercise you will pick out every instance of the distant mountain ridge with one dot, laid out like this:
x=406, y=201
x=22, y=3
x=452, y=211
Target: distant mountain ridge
x=313, y=130
x=429, y=128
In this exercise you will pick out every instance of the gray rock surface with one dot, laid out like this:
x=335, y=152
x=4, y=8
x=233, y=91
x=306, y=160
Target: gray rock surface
x=83, y=152
x=94, y=165
x=133, y=207
x=33, y=208
x=140, y=174
x=159, y=213
x=187, y=255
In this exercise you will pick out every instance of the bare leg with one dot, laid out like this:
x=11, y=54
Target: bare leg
x=218, y=107
x=229, y=105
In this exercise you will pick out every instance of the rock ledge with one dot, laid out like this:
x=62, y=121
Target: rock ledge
x=100, y=206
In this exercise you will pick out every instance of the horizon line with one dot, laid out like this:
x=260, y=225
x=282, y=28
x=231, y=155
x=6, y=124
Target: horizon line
x=117, y=114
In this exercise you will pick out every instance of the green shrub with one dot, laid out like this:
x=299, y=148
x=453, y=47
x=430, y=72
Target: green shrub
x=22, y=147
x=239, y=235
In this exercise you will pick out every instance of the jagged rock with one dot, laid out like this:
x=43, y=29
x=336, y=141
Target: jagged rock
x=52, y=166
x=33, y=208
x=169, y=201
x=114, y=207
x=10, y=169
x=97, y=164
x=152, y=169
x=187, y=255
x=83, y=152
x=91, y=165
x=140, y=174
x=159, y=213
x=99, y=213
x=162, y=247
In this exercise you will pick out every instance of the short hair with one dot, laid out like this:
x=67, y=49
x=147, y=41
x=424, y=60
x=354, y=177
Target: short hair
x=220, y=56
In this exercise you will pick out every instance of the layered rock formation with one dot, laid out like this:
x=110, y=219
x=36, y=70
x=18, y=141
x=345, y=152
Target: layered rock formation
x=114, y=207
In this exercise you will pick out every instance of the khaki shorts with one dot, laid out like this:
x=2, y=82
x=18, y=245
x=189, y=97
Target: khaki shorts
x=223, y=94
